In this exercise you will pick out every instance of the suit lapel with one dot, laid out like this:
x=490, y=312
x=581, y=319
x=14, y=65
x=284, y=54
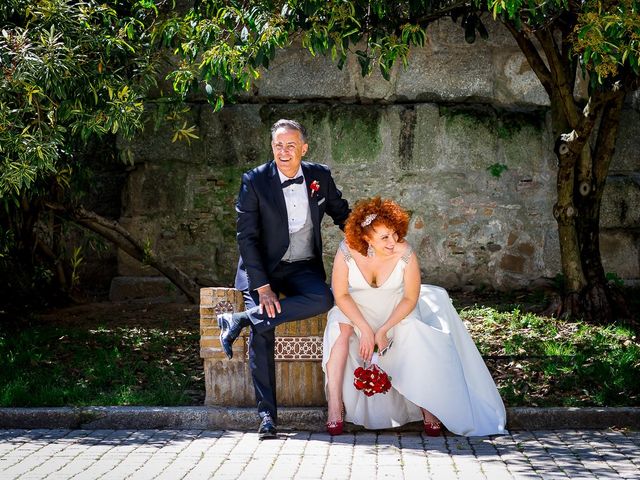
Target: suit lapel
x=313, y=200
x=276, y=191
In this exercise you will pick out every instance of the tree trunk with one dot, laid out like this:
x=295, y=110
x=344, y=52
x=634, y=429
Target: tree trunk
x=603, y=301
x=565, y=213
x=581, y=173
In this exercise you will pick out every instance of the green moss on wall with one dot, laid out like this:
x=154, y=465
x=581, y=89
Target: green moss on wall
x=355, y=135
x=502, y=123
x=218, y=196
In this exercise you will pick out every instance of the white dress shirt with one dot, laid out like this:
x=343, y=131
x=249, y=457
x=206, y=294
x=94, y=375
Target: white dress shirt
x=295, y=196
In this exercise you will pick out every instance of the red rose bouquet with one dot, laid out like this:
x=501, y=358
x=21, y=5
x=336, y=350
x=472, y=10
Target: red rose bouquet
x=371, y=379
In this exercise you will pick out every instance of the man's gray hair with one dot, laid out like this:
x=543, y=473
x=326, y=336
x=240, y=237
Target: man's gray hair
x=289, y=125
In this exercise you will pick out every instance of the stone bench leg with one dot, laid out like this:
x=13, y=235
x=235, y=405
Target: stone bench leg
x=299, y=377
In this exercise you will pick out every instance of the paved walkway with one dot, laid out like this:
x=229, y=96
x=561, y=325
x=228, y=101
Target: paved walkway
x=201, y=454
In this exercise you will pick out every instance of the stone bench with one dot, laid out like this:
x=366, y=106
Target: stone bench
x=299, y=377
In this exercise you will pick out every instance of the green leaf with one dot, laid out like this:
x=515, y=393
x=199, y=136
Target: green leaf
x=365, y=65
x=420, y=37
x=218, y=104
x=406, y=32
x=384, y=70
x=351, y=32
x=497, y=169
x=624, y=56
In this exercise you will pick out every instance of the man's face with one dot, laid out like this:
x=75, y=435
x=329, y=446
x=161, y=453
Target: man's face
x=288, y=150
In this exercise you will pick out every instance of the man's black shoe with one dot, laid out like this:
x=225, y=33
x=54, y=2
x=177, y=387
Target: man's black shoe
x=231, y=324
x=267, y=428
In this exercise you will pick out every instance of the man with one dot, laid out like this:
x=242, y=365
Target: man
x=280, y=207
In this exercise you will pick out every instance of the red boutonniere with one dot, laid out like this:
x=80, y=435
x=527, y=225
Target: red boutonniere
x=372, y=379
x=315, y=186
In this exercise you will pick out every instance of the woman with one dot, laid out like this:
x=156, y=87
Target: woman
x=437, y=374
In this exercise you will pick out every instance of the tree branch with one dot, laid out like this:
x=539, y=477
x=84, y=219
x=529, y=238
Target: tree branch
x=558, y=76
x=114, y=232
x=571, y=67
x=533, y=57
x=443, y=12
x=575, y=141
x=606, y=140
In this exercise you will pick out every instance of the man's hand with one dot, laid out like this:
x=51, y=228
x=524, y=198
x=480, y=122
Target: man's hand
x=268, y=301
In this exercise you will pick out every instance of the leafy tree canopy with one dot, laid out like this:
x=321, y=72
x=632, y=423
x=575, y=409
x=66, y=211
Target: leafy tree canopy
x=223, y=43
x=607, y=37
x=71, y=71
x=77, y=70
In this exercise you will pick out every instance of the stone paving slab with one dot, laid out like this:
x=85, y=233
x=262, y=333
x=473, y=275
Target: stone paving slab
x=230, y=454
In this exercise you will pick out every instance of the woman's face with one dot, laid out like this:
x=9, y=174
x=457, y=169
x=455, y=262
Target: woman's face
x=383, y=240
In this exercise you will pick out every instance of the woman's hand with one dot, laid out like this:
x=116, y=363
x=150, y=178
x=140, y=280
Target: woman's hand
x=367, y=342
x=381, y=339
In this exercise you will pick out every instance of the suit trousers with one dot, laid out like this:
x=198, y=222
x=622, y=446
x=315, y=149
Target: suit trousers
x=306, y=294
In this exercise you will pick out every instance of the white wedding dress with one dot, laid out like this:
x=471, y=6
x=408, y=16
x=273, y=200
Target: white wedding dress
x=433, y=362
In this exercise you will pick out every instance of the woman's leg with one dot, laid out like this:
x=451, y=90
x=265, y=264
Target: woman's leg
x=428, y=416
x=335, y=372
x=432, y=426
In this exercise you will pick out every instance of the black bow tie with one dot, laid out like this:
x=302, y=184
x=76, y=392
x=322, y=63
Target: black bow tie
x=291, y=181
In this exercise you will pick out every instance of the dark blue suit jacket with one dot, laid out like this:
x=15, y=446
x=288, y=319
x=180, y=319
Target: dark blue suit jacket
x=263, y=229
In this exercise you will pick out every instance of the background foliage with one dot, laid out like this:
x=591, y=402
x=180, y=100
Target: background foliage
x=74, y=73
x=77, y=72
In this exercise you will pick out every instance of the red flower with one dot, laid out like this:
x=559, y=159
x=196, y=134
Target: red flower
x=315, y=186
x=371, y=380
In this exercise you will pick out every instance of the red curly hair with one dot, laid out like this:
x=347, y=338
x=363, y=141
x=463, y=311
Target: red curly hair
x=388, y=213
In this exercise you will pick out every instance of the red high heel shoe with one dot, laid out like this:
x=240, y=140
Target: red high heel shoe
x=336, y=428
x=431, y=429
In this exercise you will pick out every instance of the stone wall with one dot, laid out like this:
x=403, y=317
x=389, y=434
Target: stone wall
x=425, y=139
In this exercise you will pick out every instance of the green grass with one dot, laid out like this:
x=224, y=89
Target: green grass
x=542, y=361
x=54, y=366
x=535, y=360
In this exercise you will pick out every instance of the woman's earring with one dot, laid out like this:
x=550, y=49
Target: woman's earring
x=370, y=251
